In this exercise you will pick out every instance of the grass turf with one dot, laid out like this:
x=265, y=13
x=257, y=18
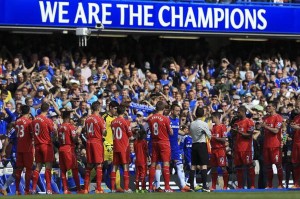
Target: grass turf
x=176, y=195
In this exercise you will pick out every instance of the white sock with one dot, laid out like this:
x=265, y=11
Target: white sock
x=9, y=181
x=180, y=174
x=157, y=177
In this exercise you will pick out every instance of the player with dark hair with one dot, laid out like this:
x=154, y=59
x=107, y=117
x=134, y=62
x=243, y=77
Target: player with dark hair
x=121, y=134
x=43, y=128
x=218, y=154
x=161, y=152
x=67, y=136
x=95, y=130
x=243, y=131
x=272, y=126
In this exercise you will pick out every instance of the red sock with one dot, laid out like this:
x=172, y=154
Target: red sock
x=143, y=177
x=48, y=179
x=270, y=177
x=166, y=174
x=35, y=178
x=126, y=180
x=151, y=177
x=296, y=175
x=99, y=178
x=113, y=180
x=64, y=179
x=87, y=179
x=27, y=179
x=76, y=178
x=239, y=175
x=252, y=176
x=225, y=178
x=279, y=174
x=137, y=182
x=214, y=177
x=18, y=179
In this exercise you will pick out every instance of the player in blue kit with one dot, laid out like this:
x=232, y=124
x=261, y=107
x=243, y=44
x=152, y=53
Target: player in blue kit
x=175, y=151
x=10, y=139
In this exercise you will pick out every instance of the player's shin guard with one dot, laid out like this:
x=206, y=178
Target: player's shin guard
x=166, y=174
x=87, y=179
x=27, y=178
x=113, y=180
x=126, y=180
x=35, y=177
x=239, y=175
x=75, y=174
x=214, y=178
x=269, y=177
x=251, y=172
x=180, y=173
x=118, y=179
x=204, y=178
x=18, y=179
x=151, y=177
x=279, y=174
x=48, y=179
x=99, y=178
x=191, y=178
x=64, y=179
x=296, y=175
x=225, y=178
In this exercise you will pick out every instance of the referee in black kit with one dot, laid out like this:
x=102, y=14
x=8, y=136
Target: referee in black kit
x=199, y=130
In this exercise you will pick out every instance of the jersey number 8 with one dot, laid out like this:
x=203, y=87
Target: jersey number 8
x=155, y=128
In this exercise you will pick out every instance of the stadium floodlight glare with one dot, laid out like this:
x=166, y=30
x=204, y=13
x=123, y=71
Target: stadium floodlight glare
x=178, y=37
x=31, y=32
x=247, y=39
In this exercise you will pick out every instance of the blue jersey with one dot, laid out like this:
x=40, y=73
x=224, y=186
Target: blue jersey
x=187, y=148
x=174, y=137
x=12, y=136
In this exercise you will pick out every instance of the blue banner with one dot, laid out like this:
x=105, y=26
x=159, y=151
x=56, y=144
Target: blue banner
x=157, y=16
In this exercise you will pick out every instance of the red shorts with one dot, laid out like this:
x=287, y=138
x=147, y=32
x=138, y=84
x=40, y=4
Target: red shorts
x=218, y=157
x=94, y=152
x=161, y=152
x=44, y=153
x=296, y=153
x=24, y=159
x=242, y=158
x=272, y=156
x=67, y=159
x=140, y=171
x=121, y=158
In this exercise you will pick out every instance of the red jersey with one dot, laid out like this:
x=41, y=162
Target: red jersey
x=296, y=138
x=272, y=140
x=159, y=127
x=218, y=131
x=42, y=129
x=121, y=133
x=244, y=143
x=140, y=149
x=65, y=134
x=24, y=134
x=95, y=126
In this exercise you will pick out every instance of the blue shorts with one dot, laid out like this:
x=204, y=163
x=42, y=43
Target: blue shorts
x=176, y=155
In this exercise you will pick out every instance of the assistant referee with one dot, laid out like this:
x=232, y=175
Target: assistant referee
x=199, y=131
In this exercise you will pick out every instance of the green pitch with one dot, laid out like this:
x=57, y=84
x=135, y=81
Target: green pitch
x=176, y=195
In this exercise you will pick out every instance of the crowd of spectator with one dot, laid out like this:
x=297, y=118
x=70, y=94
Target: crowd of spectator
x=140, y=73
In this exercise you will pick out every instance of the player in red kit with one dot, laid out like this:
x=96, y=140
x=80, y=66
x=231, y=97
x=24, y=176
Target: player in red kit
x=141, y=151
x=67, y=135
x=272, y=154
x=218, y=153
x=160, y=129
x=243, y=131
x=95, y=130
x=296, y=150
x=24, y=148
x=43, y=127
x=121, y=152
